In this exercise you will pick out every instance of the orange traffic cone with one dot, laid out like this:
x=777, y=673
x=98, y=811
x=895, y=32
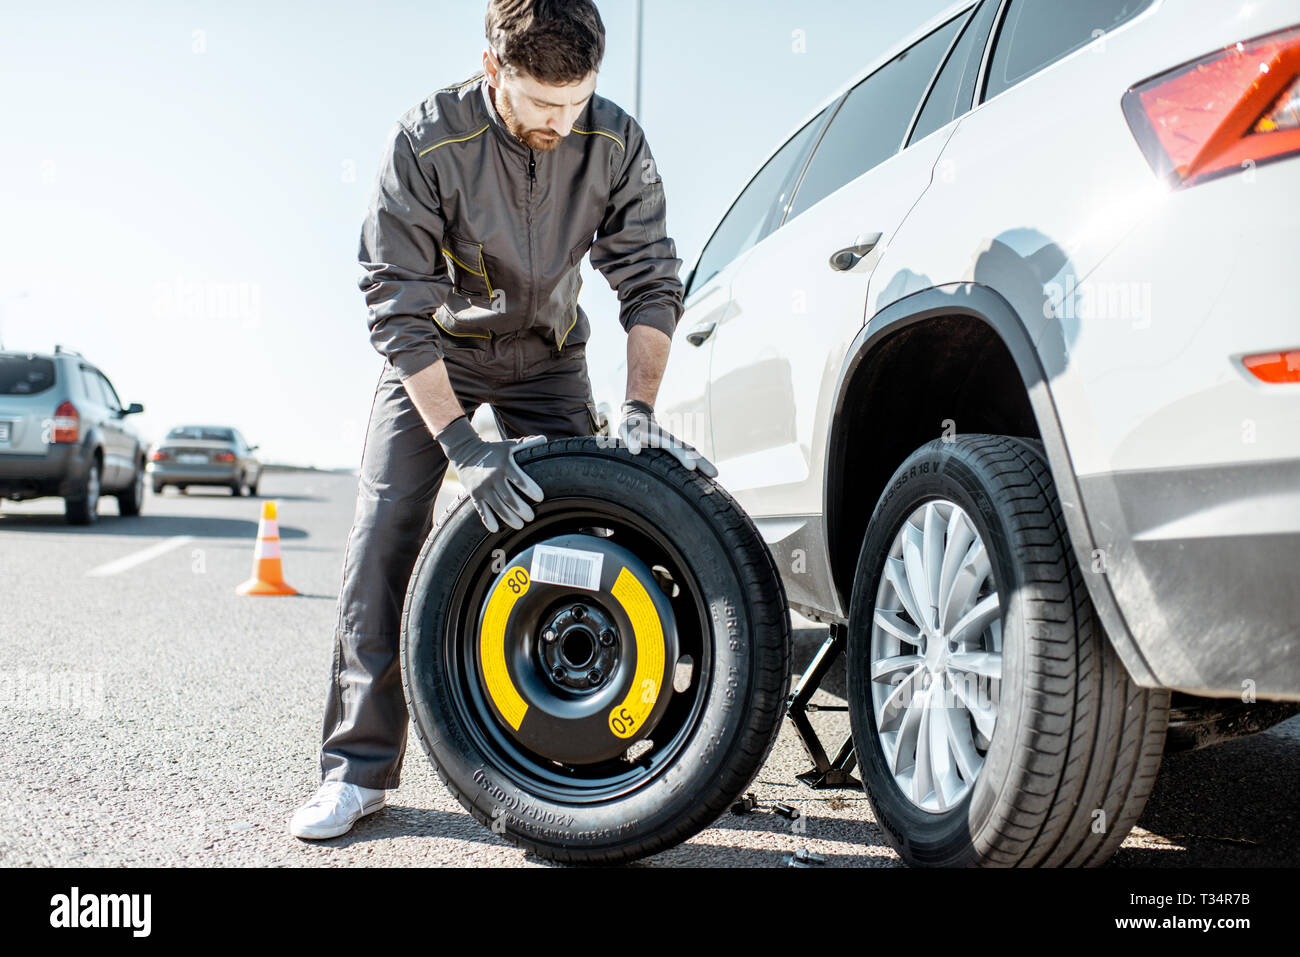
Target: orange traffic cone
x=267, y=578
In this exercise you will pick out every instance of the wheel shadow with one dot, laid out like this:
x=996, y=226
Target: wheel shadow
x=1232, y=805
x=704, y=850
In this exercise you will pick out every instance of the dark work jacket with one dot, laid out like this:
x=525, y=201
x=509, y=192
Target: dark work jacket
x=471, y=234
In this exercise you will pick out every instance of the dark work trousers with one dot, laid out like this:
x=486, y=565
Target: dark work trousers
x=533, y=389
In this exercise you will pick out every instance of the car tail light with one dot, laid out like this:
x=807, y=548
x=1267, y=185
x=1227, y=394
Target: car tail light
x=158, y=455
x=224, y=457
x=1223, y=113
x=67, y=423
x=1274, y=368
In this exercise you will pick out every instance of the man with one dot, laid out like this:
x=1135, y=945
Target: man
x=488, y=197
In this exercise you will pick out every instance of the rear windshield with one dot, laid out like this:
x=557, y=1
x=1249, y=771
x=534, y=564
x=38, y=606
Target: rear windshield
x=201, y=434
x=25, y=375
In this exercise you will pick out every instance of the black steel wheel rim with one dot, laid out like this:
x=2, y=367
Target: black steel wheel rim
x=460, y=650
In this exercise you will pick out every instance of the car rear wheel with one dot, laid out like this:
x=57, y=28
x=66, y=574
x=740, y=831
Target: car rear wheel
x=994, y=723
x=83, y=509
x=131, y=501
x=602, y=684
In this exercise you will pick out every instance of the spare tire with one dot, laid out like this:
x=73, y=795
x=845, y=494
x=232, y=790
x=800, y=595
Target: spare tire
x=602, y=684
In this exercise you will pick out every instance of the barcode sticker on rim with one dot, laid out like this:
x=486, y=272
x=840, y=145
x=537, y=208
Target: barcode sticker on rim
x=567, y=566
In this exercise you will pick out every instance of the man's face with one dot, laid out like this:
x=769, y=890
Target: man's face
x=537, y=113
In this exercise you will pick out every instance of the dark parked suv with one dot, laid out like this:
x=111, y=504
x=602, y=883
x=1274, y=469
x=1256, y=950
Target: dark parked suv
x=64, y=432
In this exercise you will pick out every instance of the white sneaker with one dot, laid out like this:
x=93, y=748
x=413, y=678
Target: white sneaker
x=334, y=809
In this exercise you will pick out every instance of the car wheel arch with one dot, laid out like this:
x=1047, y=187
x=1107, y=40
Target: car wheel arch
x=986, y=321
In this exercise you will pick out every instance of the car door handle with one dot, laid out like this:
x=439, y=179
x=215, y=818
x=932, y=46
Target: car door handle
x=850, y=256
x=701, y=335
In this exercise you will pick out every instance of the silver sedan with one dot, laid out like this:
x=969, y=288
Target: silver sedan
x=204, y=455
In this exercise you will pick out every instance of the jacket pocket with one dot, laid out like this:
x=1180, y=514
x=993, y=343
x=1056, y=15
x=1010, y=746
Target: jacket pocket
x=458, y=317
x=571, y=318
x=467, y=269
x=579, y=251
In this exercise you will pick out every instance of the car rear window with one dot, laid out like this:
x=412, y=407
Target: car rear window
x=25, y=375
x=201, y=434
x=1037, y=33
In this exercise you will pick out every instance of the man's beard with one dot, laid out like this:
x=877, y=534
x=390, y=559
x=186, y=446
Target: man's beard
x=539, y=140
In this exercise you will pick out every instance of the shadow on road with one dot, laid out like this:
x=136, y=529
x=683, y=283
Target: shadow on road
x=399, y=821
x=1234, y=805
x=225, y=494
x=146, y=526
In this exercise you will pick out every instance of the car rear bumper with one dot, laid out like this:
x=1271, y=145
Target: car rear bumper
x=1203, y=564
x=170, y=474
x=57, y=471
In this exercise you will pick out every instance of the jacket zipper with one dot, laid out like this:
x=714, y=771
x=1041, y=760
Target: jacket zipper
x=532, y=282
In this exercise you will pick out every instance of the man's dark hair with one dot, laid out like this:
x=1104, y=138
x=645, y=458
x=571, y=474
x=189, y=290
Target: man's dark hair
x=557, y=42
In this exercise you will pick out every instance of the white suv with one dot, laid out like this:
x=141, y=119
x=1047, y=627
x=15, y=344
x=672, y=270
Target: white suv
x=1001, y=352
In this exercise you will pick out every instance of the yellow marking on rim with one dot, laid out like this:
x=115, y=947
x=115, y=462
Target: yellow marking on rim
x=601, y=133
x=492, y=646
x=458, y=139
x=648, y=633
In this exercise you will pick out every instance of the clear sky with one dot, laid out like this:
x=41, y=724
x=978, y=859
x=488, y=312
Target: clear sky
x=182, y=184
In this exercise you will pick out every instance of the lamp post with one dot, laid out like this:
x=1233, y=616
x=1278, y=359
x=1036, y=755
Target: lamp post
x=640, y=30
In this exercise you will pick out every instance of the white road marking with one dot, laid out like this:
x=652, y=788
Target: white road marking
x=139, y=558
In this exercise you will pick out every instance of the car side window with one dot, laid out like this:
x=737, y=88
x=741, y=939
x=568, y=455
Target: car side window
x=954, y=89
x=1036, y=33
x=110, y=397
x=90, y=381
x=870, y=125
x=759, y=208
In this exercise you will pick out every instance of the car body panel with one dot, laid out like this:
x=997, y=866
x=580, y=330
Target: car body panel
x=1041, y=201
x=779, y=352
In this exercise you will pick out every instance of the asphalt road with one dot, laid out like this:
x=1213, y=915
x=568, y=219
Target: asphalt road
x=152, y=717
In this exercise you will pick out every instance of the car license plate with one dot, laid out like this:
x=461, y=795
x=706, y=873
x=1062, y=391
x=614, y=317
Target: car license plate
x=192, y=459
x=4, y=431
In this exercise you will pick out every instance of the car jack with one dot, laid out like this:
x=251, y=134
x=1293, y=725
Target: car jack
x=825, y=774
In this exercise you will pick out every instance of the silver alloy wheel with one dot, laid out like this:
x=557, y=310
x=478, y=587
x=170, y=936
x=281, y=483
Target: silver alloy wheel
x=936, y=656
